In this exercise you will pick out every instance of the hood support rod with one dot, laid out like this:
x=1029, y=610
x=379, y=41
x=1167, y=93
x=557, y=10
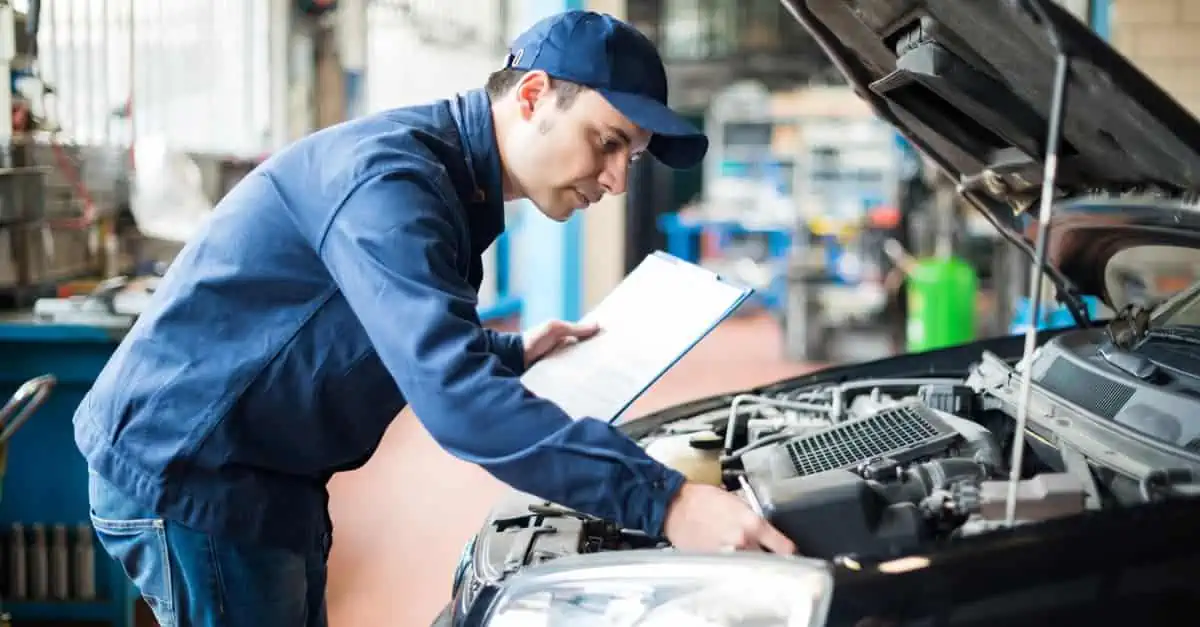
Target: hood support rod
x=1057, y=106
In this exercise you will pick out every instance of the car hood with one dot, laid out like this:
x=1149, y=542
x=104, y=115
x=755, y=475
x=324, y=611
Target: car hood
x=969, y=84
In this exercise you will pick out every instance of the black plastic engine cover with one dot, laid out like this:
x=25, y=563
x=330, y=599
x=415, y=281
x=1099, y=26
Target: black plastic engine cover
x=838, y=513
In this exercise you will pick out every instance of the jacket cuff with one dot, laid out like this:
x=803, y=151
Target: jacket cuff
x=662, y=491
x=510, y=348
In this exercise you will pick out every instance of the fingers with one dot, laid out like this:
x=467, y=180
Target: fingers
x=774, y=541
x=761, y=535
x=708, y=518
x=564, y=342
x=582, y=330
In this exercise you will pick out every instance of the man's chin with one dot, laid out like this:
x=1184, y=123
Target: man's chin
x=558, y=214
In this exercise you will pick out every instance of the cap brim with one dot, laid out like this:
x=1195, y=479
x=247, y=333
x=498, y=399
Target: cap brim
x=675, y=141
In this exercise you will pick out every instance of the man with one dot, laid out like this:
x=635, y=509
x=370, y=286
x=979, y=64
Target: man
x=335, y=285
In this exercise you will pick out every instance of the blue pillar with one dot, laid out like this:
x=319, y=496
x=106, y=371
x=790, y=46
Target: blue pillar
x=1100, y=18
x=550, y=253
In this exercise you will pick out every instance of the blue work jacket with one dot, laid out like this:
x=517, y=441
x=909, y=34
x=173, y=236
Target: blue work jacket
x=332, y=286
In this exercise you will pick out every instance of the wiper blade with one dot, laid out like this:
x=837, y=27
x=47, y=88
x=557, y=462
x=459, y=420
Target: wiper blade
x=1175, y=334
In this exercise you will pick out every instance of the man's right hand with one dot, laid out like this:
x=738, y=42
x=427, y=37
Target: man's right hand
x=707, y=518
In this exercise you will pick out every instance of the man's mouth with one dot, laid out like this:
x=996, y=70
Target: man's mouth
x=583, y=200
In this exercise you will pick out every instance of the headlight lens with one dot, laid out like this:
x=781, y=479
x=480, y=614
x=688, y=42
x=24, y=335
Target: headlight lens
x=667, y=589
x=464, y=563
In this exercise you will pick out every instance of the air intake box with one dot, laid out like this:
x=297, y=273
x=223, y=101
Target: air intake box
x=905, y=433
x=836, y=512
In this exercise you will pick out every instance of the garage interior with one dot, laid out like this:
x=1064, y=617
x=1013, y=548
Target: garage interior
x=291, y=67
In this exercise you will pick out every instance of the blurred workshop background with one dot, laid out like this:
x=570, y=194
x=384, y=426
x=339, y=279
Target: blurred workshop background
x=131, y=118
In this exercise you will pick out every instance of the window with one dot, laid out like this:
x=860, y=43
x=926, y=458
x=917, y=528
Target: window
x=713, y=29
x=697, y=29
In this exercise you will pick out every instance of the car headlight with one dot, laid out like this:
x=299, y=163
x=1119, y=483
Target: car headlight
x=666, y=589
x=464, y=564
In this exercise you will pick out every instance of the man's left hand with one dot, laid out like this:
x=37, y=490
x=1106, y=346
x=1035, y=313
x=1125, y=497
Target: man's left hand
x=551, y=336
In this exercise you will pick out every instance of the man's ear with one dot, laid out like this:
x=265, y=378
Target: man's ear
x=532, y=91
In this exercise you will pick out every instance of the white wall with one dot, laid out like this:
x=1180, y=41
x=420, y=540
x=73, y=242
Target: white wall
x=414, y=57
x=1162, y=38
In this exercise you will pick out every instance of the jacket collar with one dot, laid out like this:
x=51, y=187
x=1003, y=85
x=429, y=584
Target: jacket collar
x=485, y=207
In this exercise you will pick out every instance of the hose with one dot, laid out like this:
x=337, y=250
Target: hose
x=839, y=391
x=1162, y=480
x=768, y=401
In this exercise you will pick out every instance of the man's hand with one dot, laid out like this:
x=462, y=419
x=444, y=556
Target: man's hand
x=553, y=335
x=707, y=518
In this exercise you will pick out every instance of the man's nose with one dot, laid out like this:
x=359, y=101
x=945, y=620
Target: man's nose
x=614, y=177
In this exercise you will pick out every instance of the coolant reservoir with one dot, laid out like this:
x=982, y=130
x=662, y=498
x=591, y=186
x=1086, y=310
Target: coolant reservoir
x=696, y=455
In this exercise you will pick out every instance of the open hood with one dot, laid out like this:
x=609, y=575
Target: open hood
x=970, y=84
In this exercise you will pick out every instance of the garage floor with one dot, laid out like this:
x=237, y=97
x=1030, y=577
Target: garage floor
x=396, y=541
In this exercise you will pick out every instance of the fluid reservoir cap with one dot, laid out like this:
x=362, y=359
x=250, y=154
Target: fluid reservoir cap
x=706, y=441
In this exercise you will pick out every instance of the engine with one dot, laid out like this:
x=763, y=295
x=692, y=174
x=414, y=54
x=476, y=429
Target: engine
x=868, y=484
x=869, y=467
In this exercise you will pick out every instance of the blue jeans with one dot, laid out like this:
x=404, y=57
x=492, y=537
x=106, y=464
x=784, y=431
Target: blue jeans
x=193, y=579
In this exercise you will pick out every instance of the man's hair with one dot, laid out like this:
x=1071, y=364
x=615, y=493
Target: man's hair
x=501, y=81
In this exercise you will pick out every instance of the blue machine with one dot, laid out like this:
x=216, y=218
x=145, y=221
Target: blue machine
x=683, y=236
x=45, y=482
x=1051, y=316
x=508, y=302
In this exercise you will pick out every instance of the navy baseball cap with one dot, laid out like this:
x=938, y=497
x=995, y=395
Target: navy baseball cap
x=615, y=59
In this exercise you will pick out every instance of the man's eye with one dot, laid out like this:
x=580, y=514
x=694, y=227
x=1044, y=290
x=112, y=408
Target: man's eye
x=610, y=145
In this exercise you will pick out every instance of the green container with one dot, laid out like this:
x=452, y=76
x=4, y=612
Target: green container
x=941, y=304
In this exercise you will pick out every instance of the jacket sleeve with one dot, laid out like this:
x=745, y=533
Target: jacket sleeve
x=509, y=347
x=392, y=249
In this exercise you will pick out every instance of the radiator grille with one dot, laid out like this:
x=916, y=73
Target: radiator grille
x=903, y=433
x=1085, y=388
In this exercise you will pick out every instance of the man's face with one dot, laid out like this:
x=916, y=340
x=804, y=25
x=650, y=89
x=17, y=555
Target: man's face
x=564, y=159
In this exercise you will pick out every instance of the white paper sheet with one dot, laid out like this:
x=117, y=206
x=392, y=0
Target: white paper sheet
x=652, y=318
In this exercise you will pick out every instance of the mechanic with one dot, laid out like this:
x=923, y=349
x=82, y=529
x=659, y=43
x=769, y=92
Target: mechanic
x=335, y=285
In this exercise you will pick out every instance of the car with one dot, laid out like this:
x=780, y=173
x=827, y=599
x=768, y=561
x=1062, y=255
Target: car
x=1039, y=480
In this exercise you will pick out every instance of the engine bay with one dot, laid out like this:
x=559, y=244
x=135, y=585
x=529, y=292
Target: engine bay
x=875, y=468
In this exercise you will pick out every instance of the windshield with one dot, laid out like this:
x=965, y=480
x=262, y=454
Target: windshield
x=1183, y=309
x=1164, y=277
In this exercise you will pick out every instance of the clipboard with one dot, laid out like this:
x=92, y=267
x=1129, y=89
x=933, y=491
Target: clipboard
x=655, y=316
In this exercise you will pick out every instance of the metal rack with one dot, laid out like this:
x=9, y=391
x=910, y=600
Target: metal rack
x=53, y=569
x=846, y=165
x=742, y=227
